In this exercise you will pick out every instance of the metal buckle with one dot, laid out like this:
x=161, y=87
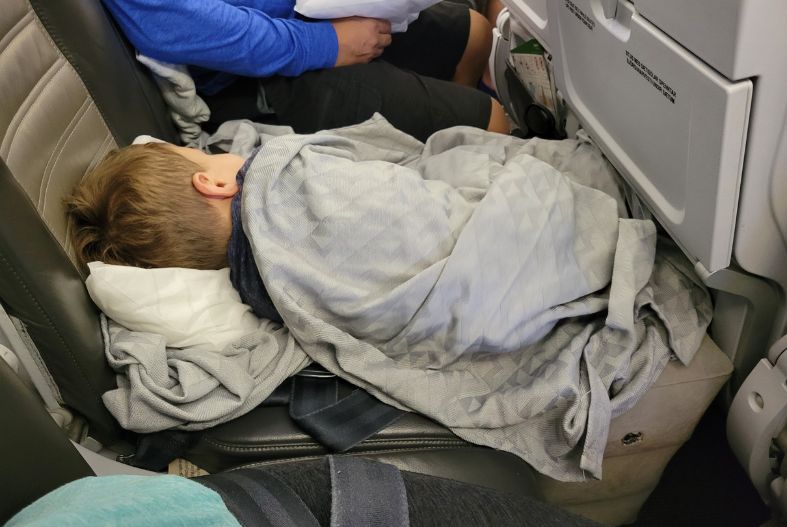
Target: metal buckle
x=315, y=372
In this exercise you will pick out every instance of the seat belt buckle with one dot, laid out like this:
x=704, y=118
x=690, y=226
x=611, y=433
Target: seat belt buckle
x=315, y=372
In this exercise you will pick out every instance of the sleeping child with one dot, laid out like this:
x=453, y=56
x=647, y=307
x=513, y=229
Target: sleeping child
x=160, y=205
x=484, y=281
x=467, y=244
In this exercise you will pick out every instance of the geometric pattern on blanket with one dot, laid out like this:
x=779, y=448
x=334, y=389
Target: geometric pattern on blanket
x=492, y=284
x=470, y=280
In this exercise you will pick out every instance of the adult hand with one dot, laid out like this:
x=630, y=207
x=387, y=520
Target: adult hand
x=360, y=39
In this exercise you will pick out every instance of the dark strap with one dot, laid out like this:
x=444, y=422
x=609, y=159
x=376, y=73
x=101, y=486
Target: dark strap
x=313, y=395
x=280, y=396
x=368, y=493
x=339, y=424
x=258, y=498
x=155, y=451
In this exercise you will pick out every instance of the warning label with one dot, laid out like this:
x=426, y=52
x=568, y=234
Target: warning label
x=653, y=79
x=581, y=15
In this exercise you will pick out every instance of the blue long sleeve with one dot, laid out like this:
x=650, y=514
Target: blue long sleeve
x=255, y=38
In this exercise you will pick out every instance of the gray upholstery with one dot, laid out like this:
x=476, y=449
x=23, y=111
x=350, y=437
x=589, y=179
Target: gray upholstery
x=121, y=89
x=53, y=127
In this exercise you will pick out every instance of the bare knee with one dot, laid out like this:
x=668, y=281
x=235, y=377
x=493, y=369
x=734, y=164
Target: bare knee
x=479, y=40
x=479, y=45
x=498, y=122
x=493, y=8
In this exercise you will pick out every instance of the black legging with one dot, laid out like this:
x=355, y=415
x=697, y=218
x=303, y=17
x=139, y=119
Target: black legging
x=432, y=501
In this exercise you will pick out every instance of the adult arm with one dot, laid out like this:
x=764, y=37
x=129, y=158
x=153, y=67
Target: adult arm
x=227, y=36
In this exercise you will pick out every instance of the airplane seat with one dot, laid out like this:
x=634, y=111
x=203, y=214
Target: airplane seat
x=25, y=453
x=70, y=91
x=69, y=95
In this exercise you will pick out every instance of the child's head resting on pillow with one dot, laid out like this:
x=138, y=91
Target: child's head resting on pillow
x=155, y=205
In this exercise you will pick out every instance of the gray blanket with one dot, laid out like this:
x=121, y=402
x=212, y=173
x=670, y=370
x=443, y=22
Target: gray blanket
x=480, y=280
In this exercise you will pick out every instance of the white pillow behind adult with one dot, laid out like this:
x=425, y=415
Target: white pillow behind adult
x=189, y=307
x=399, y=12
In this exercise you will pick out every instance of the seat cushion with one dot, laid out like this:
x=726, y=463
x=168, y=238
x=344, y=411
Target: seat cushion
x=640, y=444
x=412, y=443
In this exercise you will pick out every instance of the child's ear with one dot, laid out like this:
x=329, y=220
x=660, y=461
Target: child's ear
x=201, y=182
x=212, y=187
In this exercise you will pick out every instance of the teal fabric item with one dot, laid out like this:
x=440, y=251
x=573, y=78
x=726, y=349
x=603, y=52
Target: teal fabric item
x=144, y=501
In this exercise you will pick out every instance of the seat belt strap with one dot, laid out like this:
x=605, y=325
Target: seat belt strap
x=15, y=338
x=368, y=493
x=258, y=498
x=339, y=424
x=155, y=451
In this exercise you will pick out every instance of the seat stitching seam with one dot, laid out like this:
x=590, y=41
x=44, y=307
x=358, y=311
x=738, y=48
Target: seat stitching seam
x=81, y=111
x=35, y=354
x=52, y=326
x=100, y=152
x=40, y=21
x=47, y=177
x=61, y=54
x=16, y=29
x=389, y=451
x=403, y=442
x=30, y=100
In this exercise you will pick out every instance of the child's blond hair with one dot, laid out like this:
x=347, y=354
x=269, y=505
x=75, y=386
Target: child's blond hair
x=138, y=207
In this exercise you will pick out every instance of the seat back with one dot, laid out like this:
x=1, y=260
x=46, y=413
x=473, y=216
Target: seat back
x=35, y=457
x=70, y=91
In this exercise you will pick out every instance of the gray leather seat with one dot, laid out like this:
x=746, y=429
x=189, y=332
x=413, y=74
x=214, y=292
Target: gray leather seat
x=70, y=91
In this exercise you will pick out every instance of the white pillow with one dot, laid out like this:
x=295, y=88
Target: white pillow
x=189, y=307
